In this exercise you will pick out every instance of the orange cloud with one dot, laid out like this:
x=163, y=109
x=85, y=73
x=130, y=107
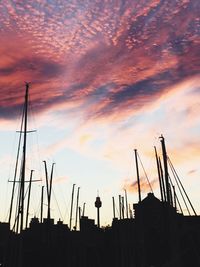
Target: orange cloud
x=132, y=187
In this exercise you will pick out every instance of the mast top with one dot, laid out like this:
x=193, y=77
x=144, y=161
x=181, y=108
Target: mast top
x=27, y=84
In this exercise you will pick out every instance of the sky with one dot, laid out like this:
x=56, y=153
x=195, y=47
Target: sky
x=106, y=77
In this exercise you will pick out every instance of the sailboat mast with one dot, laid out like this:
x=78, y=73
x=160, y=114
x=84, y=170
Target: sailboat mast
x=113, y=207
x=138, y=176
x=159, y=174
x=165, y=168
x=120, y=209
x=72, y=199
x=162, y=179
x=23, y=172
x=42, y=198
x=50, y=190
x=77, y=200
x=83, y=212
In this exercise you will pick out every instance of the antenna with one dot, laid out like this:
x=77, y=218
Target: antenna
x=98, y=204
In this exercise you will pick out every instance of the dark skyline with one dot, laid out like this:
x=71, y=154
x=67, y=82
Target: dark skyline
x=106, y=77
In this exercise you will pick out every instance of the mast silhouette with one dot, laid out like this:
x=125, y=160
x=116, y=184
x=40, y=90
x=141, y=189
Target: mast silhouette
x=77, y=202
x=113, y=207
x=23, y=166
x=165, y=169
x=159, y=175
x=120, y=209
x=138, y=176
x=49, y=188
x=72, y=200
x=41, y=209
x=83, y=212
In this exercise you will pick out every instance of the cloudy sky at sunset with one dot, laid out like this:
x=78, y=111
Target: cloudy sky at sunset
x=107, y=77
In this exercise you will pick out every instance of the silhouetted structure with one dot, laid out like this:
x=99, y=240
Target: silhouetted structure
x=156, y=236
x=98, y=206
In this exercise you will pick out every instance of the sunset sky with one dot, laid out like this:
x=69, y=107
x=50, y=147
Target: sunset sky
x=107, y=77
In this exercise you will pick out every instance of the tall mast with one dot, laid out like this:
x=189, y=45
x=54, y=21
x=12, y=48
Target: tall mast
x=83, y=212
x=165, y=168
x=120, y=209
x=77, y=200
x=49, y=187
x=79, y=216
x=159, y=174
x=50, y=190
x=113, y=207
x=138, y=177
x=72, y=199
x=162, y=178
x=23, y=169
x=122, y=198
x=174, y=193
x=42, y=198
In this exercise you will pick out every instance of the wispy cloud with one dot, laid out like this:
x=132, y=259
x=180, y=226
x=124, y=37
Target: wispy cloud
x=107, y=62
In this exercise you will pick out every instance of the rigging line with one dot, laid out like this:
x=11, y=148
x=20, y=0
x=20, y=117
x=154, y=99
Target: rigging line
x=182, y=187
x=60, y=189
x=9, y=175
x=173, y=172
x=37, y=209
x=57, y=204
x=36, y=135
x=16, y=166
x=178, y=203
x=170, y=180
x=36, y=201
x=17, y=211
x=145, y=173
x=17, y=208
x=15, y=221
x=66, y=208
